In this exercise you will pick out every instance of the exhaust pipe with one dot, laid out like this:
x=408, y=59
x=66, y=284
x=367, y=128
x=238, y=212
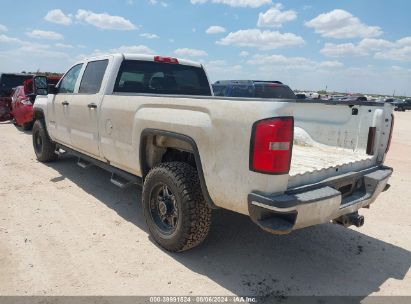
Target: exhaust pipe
x=350, y=219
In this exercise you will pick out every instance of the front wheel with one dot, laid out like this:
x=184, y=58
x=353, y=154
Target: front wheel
x=42, y=144
x=176, y=213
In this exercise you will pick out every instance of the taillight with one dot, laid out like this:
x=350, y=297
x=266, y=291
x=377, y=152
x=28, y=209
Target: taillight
x=26, y=102
x=166, y=59
x=271, y=145
x=391, y=130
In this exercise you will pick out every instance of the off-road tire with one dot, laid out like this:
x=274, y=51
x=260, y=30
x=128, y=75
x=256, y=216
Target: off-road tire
x=194, y=219
x=45, y=149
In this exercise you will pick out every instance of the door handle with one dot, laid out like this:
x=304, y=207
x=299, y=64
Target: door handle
x=92, y=105
x=65, y=103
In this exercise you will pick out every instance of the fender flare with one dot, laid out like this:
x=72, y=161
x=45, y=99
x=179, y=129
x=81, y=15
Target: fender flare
x=38, y=111
x=144, y=168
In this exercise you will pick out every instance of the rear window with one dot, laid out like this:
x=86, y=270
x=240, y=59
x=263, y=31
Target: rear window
x=273, y=91
x=8, y=82
x=161, y=78
x=219, y=90
x=242, y=91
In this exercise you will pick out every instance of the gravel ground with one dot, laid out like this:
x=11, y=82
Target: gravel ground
x=65, y=230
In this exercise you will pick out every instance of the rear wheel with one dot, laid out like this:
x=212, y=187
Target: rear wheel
x=176, y=213
x=42, y=144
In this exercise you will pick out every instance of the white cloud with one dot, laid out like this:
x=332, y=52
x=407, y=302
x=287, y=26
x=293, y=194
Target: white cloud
x=133, y=49
x=105, y=21
x=155, y=2
x=7, y=39
x=275, y=16
x=39, y=34
x=126, y=49
x=217, y=70
x=399, y=54
x=57, y=16
x=264, y=40
x=64, y=46
x=215, y=29
x=43, y=57
x=190, y=52
x=363, y=48
x=3, y=28
x=331, y=64
x=342, y=50
x=399, y=50
x=406, y=41
x=149, y=36
x=237, y=3
x=244, y=53
x=340, y=24
x=299, y=63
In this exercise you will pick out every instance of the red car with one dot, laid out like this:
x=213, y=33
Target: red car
x=23, y=99
x=7, y=82
x=22, y=107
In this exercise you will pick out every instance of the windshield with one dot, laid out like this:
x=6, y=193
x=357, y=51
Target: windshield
x=161, y=78
x=9, y=81
x=273, y=91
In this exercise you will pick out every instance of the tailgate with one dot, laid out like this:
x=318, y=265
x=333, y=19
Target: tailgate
x=333, y=139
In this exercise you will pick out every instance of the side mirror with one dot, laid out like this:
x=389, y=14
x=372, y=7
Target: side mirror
x=40, y=85
x=52, y=89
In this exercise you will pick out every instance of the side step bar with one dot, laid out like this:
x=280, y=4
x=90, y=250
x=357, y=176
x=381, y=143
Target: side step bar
x=118, y=177
x=120, y=181
x=83, y=163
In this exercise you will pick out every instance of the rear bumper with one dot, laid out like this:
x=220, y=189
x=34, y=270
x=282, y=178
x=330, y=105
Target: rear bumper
x=23, y=114
x=319, y=203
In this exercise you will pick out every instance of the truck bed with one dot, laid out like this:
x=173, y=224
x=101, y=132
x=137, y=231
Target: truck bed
x=307, y=159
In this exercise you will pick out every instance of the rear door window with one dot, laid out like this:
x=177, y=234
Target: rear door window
x=161, y=78
x=93, y=76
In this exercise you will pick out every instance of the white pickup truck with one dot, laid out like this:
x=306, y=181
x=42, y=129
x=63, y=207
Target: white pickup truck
x=152, y=120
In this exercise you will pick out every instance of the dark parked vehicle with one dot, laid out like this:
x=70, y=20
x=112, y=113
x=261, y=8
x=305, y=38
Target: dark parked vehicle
x=8, y=81
x=354, y=98
x=402, y=105
x=252, y=89
x=301, y=96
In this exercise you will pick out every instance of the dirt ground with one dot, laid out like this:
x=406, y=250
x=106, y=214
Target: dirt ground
x=65, y=230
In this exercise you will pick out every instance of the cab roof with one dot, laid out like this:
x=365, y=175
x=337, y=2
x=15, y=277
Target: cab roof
x=142, y=57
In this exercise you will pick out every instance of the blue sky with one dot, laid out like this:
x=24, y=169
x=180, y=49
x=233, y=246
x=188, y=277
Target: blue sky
x=348, y=46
